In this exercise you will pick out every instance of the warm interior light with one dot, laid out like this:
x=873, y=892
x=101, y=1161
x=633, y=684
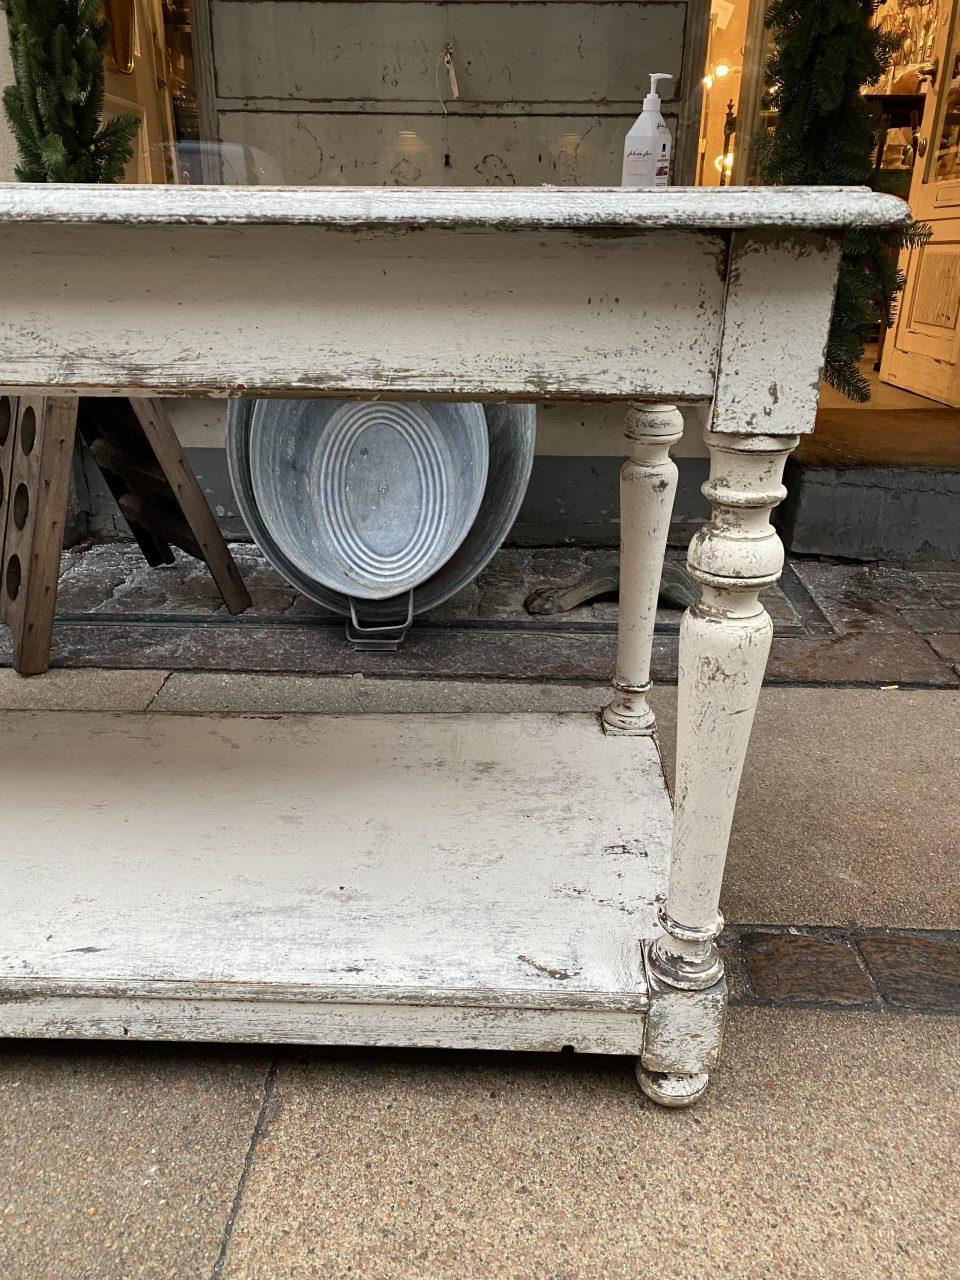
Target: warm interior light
x=724, y=163
x=721, y=69
x=708, y=82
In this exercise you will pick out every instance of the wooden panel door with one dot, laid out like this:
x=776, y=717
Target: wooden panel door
x=923, y=353
x=472, y=92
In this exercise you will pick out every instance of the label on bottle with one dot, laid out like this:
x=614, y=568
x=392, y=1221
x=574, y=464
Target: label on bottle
x=638, y=165
x=662, y=172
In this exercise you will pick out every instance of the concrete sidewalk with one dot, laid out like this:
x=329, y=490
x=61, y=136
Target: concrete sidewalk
x=825, y=1147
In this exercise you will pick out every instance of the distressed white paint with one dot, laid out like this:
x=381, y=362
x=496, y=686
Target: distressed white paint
x=498, y=873
x=684, y=208
x=274, y=1019
x=503, y=53
x=648, y=485
x=684, y=1029
x=442, y=312
x=724, y=644
x=154, y=863
x=520, y=295
x=776, y=317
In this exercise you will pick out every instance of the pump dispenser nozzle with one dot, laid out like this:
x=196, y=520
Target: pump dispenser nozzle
x=652, y=101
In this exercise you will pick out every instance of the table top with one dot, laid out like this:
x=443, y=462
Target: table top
x=573, y=208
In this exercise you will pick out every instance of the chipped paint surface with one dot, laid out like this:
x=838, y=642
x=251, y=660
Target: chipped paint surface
x=302, y=889
x=724, y=643
x=681, y=207
x=684, y=1029
x=776, y=317
x=520, y=294
x=648, y=484
x=473, y=313
x=348, y=910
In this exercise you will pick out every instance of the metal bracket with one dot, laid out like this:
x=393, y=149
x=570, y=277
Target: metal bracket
x=382, y=638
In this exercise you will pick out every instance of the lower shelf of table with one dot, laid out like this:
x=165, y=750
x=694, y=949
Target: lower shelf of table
x=436, y=880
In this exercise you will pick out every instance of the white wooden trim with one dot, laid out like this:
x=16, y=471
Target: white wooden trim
x=280, y=1021
x=682, y=208
x=648, y=486
x=724, y=643
x=516, y=831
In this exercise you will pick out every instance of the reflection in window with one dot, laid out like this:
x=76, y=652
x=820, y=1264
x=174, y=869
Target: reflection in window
x=948, y=144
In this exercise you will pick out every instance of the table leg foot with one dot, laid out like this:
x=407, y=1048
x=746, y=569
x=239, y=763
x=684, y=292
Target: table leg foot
x=628, y=714
x=669, y=1089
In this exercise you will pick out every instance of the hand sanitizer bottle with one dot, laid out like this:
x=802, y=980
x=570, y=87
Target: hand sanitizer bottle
x=646, y=149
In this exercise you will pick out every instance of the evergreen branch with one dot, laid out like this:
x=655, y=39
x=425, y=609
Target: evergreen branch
x=826, y=52
x=55, y=105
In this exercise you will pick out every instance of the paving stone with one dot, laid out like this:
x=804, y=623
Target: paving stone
x=479, y=652
x=121, y=1162
x=738, y=984
x=857, y=656
x=931, y=618
x=465, y=604
x=112, y=577
x=851, y=596
x=88, y=581
x=847, y=809
x=944, y=583
x=947, y=646
x=912, y=972
x=906, y=586
x=798, y=968
x=812, y=1155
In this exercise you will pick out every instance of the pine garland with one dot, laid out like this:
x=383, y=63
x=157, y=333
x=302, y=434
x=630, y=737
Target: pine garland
x=56, y=104
x=825, y=53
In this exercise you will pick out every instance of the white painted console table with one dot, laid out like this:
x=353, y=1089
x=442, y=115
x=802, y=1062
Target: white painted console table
x=515, y=882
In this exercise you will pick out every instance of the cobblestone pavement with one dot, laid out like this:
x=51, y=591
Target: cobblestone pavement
x=835, y=622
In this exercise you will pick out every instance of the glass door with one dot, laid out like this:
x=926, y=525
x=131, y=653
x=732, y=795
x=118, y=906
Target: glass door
x=923, y=353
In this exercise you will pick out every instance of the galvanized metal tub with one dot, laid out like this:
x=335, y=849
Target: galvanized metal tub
x=511, y=433
x=368, y=498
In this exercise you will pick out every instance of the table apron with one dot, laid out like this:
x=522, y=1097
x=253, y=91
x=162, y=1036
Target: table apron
x=444, y=313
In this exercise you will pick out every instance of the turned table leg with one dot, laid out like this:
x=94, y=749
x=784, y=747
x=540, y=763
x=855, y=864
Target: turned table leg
x=648, y=483
x=724, y=644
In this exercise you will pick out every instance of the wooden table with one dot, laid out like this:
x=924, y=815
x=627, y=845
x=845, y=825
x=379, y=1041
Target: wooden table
x=513, y=881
